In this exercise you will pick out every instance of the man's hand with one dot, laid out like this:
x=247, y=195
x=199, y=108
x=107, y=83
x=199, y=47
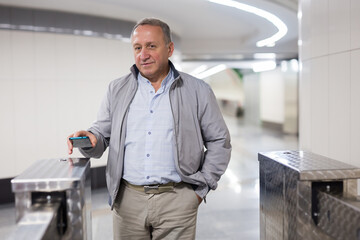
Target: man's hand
x=81, y=133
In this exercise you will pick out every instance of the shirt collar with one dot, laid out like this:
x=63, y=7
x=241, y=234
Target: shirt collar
x=165, y=81
x=134, y=70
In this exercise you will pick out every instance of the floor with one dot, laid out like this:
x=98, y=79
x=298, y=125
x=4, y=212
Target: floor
x=231, y=212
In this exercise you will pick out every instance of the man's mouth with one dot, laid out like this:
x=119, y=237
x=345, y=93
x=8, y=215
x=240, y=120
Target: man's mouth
x=146, y=64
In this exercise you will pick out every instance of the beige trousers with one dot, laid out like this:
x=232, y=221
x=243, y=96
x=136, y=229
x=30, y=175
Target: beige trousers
x=169, y=215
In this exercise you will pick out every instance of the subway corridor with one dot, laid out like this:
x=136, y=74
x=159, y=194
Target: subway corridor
x=231, y=212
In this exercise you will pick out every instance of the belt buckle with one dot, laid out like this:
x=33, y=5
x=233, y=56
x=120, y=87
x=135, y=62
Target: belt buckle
x=151, y=189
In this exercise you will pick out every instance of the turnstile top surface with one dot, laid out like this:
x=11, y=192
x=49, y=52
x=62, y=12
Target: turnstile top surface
x=51, y=175
x=312, y=166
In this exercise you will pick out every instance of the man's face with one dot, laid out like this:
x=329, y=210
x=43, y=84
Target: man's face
x=151, y=53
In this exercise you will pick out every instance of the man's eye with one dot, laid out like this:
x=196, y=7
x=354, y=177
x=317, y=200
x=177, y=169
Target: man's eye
x=137, y=48
x=152, y=46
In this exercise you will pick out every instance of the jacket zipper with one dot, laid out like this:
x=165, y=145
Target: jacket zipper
x=175, y=126
x=127, y=110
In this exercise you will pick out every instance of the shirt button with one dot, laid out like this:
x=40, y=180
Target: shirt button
x=151, y=111
x=149, y=133
x=151, y=91
x=147, y=177
x=148, y=155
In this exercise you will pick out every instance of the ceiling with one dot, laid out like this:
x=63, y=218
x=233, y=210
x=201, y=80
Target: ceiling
x=207, y=31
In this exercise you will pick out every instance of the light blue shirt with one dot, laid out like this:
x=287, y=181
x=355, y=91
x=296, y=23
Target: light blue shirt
x=149, y=153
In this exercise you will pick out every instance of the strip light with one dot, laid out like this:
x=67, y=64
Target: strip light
x=199, y=70
x=211, y=71
x=280, y=25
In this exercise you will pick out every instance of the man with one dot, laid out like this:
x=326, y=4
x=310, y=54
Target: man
x=156, y=122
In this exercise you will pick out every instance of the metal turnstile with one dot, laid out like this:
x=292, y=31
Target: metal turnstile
x=53, y=200
x=308, y=196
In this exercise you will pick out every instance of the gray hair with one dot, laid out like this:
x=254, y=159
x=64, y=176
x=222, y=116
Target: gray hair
x=155, y=22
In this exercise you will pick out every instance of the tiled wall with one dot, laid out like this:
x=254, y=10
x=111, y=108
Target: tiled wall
x=54, y=71
x=272, y=102
x=330, y=78
x=51, y=85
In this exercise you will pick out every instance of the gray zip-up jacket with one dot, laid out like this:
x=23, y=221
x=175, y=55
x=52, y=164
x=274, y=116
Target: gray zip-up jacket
x=198, y=123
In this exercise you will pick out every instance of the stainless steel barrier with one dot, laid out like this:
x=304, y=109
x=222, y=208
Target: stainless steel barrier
x=53, y=200
x=307, y=196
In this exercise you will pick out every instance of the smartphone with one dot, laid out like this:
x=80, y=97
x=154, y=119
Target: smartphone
x=81, y=142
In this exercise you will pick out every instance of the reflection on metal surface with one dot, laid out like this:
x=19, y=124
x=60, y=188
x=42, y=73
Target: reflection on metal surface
x=53, y=200
x=38, y=223
x=234, y=181
x=307, y=196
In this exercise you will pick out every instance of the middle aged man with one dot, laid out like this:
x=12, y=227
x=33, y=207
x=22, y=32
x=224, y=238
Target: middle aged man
x=168, y=143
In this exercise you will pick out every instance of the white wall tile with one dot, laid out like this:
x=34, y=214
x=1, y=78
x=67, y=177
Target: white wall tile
x=355, y=24
x=44, y=52
x=102, y=53
x=305, y=29
x=339, y=25
x=65, y=57
x=46, y=128
x=52, y=86
x=23, y=56
x=320, y=106
x=354, y=108
x=305, y=106
x=25, y=131
x=85, y=58
x=339, y=107
x=7, y=141
x=272, y=94
x=319, y=28
x=6, y=55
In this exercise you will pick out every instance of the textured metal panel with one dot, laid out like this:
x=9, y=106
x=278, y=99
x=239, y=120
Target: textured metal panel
x=314, y=167
x=288, y=178
x=303, y=214
x=350, y=187
x=290, y=203
x=339, y=218
x=262, y=200
x=306, y=229
x=274, y=202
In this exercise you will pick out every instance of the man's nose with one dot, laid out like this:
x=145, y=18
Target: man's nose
x=144, y=54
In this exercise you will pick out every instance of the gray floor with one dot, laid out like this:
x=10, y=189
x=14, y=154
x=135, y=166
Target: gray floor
x=231, y=212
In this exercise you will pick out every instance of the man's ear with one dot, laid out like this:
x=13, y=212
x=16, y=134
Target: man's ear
x=171, y=49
